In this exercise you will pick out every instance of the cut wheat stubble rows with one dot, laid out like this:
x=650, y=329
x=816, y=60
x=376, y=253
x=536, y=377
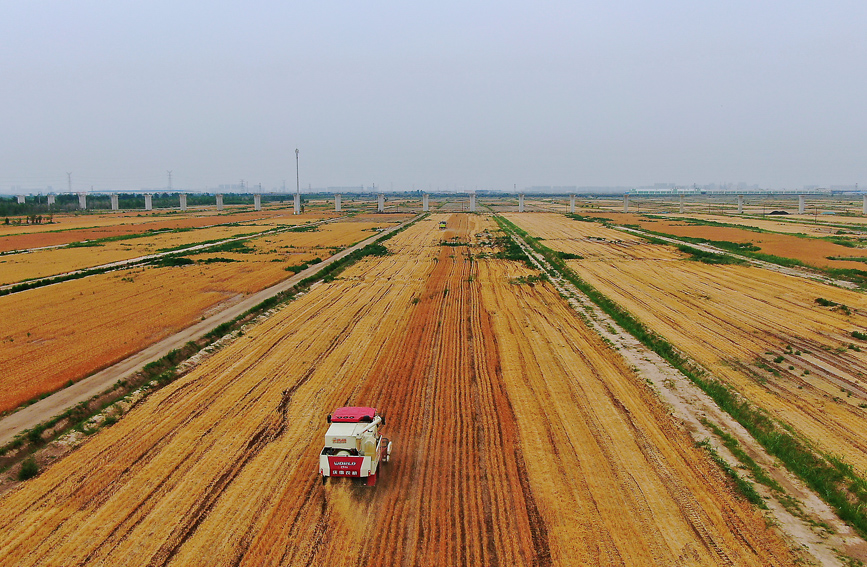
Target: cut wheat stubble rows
x=520, y=438
x=73, y=329
x=738, y=322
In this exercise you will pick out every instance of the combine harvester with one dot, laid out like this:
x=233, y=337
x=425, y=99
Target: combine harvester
x=353, y=446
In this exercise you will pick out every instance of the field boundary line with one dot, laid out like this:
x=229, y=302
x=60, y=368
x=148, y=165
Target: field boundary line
x=96, y=384
x=694, y=408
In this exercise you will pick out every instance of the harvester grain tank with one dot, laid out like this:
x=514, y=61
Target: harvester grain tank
x=442, y=225
x=353, y=446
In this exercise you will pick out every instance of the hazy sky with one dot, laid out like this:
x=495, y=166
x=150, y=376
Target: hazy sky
x=443, y=94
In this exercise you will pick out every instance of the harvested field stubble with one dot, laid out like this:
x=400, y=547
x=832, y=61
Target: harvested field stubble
x=44, y=263
x=519, y=437
x=760, y=331
x=810, y=251
x=76, y=328
x=75, y=228
x=66, y=331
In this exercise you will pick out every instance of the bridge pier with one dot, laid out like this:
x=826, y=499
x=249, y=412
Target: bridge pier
x=572, y=204
x=425, y=204
x=521, y=203
x=296, y=210
x=51, y=199
x=149, y=202
x=626, y=203
x=337, y=203
x=681, y=204
x=219, y=202
x=740, y=204
x=472, y=202
x=182, y=197
x=82, y=201
x=114, y=202
x=380, y=203
x=257, y=202
x=802, y=205
x=20, y=199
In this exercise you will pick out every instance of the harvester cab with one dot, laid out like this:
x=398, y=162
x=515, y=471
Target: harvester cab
x=353, y=446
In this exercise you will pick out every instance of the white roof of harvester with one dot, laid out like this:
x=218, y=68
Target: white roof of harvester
x=345, y=429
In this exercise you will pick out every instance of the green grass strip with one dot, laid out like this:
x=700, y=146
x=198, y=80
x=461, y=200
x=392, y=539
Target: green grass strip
x=732, y=445
x=743, y=486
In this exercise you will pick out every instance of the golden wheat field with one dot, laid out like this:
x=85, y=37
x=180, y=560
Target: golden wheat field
x=761, y=331
x=66, y=331
x=67, y=228
x=42, y=263
x=520, y=438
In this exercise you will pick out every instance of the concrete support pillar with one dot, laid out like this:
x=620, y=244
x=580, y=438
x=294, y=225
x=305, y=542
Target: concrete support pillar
x=51, y=199
x=297, y=204
x=182, y=197
x=521, y=203
x=20, y=199
x=82, y=201
x=472, y=203
x=571, y=204
x=740, y=204
x=802, y=205
x=149, y=202
x=114, y=204
x=257, y=202
x=864, y=206
x=337, y=203
x=425, y=204
x=219, y=202
x=626, y=203
x=681, y=204
x=380, y=203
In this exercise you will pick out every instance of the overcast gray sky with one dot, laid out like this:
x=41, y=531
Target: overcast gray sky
x=445, y=94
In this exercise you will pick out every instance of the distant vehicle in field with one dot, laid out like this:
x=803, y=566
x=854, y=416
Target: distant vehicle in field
x=353, y=446
x=442, y=225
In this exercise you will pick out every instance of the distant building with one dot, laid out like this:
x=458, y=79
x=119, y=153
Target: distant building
x=665, y=189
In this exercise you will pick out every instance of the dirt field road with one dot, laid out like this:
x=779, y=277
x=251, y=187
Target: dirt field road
x=519, y=437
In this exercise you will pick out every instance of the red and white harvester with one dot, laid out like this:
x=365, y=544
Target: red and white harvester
x=353, y=446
